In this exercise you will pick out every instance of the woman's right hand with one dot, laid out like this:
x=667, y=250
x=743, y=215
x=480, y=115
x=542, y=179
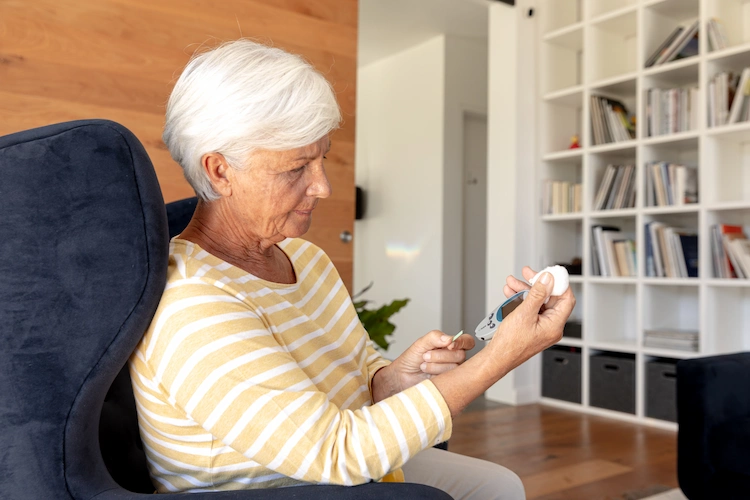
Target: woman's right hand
x=533, y=326
x=529, y=329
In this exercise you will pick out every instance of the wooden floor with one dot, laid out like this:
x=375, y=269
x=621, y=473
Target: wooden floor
x=565, y=455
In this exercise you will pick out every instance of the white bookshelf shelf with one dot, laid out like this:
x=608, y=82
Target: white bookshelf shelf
x=598, y=48
x=564, y=155
x=562, y=217
x=672, y=209
x=675, y=139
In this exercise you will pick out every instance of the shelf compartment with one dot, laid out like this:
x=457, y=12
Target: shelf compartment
x=685, y=226
x=575, y=321
x=728, y=319
x=671, y=308
x=611, y=48
x=662, y=18
x=731, y=216
x=685, y=152
x=560, y=123
x=562, y=60
x=558, y=15
x=684, y=77
x=620, y=90
x=735, y=16
x=619, y=263
x=730, y=179
x=562, y=242
x=611, y=319
x=598, y=164
x=553, y=174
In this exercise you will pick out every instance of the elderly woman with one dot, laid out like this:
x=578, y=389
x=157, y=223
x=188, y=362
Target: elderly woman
x=256, y=371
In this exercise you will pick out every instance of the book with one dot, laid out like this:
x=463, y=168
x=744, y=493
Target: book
x=689, y=253
x=739, y=96
x=599, y=256
x=728, y=233
x=664, y=46
x=678, y=44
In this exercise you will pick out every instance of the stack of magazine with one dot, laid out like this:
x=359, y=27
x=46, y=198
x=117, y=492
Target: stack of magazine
x=671, y=111
x=610, y=121
x=617, y=188
x=728, y=100
x=612, y=252
x=669, y=184
x=682, y=340
x=670, y=251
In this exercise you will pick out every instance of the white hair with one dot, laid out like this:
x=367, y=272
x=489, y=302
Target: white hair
x=240, y=97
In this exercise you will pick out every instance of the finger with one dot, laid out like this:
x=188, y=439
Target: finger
x=445, y=356
x=539, y=293
x=464, y=342
x=515, y=285
x=434, y=340
x=528, y=273
x=437, y=368
x=562, y=305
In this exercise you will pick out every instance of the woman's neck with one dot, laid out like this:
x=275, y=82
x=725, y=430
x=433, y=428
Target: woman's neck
x=216, y=232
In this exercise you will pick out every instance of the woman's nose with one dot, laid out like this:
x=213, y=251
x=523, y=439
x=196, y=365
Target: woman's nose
x=319, y=187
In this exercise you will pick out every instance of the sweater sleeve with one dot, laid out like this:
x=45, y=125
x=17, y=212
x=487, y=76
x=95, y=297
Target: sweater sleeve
x=374, y=362
x=237, y=382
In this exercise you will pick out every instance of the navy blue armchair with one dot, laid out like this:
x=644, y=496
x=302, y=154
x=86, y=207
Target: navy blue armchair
x=713, y=414
x=83, y=258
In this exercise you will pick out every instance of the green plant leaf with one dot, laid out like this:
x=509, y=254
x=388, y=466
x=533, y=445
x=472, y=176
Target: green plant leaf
x=376, y=321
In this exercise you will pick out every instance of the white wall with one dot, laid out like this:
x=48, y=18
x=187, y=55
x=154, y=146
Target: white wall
x=409, y=160
x=399, y=161
x=465, y=91
x=511, y=203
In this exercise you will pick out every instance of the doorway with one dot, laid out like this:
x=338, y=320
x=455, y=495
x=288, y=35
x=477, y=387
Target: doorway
x=474, y=275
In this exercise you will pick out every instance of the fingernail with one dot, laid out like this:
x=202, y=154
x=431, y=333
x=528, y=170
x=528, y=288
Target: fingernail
x=423, y=366
x=427, y=356
x=545, y=278
x=447, y=338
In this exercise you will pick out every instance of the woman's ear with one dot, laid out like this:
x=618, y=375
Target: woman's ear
x=218, y=171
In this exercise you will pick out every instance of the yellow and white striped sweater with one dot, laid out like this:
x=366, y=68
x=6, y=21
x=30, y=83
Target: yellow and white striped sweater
x=244, y=383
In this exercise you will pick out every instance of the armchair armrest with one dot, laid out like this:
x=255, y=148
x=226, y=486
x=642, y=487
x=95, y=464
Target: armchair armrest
x=369, y=491
x=710, y=392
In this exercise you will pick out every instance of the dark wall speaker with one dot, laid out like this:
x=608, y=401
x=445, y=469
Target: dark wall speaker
x=360, y=203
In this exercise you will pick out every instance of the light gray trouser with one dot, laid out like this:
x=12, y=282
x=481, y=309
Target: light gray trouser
x=463, y=477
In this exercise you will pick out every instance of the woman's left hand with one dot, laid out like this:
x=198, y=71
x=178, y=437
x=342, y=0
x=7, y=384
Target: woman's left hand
x=433, y=354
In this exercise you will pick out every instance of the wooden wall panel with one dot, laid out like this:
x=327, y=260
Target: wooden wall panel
x=118, y=59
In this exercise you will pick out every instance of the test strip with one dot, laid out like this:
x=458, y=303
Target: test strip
x=458, y=335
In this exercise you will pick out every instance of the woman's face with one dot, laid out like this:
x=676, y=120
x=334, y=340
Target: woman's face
x=276, y=194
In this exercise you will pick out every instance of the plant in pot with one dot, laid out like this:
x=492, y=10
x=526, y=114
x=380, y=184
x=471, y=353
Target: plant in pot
x=377, y=320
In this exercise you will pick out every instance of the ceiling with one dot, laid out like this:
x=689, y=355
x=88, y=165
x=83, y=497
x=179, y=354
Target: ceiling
x=390, y=26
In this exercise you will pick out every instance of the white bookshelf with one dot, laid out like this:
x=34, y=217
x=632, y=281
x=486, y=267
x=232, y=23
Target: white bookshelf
x=598, y=47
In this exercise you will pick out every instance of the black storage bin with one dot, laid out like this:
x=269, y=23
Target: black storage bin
x=572, y=329
x=561, y=373
x=612, y=381
x=661, y=389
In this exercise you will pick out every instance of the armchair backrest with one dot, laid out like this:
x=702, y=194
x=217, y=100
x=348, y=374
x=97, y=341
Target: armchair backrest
x=83, y=257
